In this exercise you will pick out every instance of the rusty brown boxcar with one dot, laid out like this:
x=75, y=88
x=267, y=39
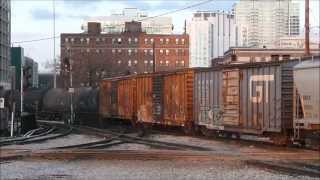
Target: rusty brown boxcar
x=144, y=99
x=107, y=98
x=165, y=98
x=117, y=97
x=178, y=98
x=250, y=98
x=126, y=98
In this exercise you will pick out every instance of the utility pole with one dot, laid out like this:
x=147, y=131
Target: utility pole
x=154, y=55
x=54, y=46
x=307, y=29
x=71, y=89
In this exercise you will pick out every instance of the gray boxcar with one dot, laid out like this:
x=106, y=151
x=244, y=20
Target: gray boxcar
x=252, y=98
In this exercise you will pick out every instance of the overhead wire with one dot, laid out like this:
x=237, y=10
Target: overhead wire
x=143, y=19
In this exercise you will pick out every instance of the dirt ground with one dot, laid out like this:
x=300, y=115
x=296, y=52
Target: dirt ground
x=225, y=160
x=140, y=170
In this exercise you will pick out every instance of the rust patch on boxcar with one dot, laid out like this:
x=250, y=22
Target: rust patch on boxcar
x=231, y=99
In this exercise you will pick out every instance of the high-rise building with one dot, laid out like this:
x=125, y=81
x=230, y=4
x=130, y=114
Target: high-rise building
x=261, y=23
x=115, y=23
x=5, y=39
x=211, y=34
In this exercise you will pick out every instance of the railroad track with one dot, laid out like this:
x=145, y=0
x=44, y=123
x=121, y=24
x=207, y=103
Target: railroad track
x=121, y=138
x=43, y=135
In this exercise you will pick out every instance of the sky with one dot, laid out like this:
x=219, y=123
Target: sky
x=33, y=19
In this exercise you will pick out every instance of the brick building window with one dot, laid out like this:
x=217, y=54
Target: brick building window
x=103, y=39
x=161, y=41
x=161, y=63
x=97, y=39
x=88, y=40
x=151, y=62
x=161, y=51
x=129, y=63
x=167, y=63
x=182, y=41
x=183, y=52
x=119, y=50
x=145, y=62
x=81, y=40
x=119, y=62
x=177, y=51
x=129, y=40
x=151, y=52
x=167, y=41
x=88, y=50
x=167, y=52
x=145, y=52
x=113, y=51
x=135, y=62
x=119, y=40
x=145, y=41
x=136, y=40
x=113, y=40
x=177, y=41
x=151, y=40
x=182, y=63
x=66, y=40
x=72, y=40
x=136, y=51
x=129, y=52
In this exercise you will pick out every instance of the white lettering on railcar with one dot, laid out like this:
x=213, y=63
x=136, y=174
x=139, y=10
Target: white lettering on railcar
x=259, y=88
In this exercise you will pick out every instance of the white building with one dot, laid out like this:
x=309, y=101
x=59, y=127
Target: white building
x=115, y=23
x=261, y=23
x=211, y=34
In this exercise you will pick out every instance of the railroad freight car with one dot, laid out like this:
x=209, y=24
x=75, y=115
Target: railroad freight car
x=207, y=99
x=165, y=98
x=86, y=107
x=251, y=99
x=55, y=104
x=118, y=98
x=307, y=117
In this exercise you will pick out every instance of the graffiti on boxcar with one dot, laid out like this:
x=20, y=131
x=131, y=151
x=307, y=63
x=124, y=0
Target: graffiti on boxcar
x=265, y=79
x=216, y=115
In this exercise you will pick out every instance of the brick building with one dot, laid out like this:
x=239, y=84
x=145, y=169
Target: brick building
x=95, y=55
x=247, y=55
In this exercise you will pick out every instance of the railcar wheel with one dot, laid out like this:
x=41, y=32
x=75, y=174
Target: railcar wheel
x=141, y=129
x=189, y=129
x=280, y=139
x=205, y=131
